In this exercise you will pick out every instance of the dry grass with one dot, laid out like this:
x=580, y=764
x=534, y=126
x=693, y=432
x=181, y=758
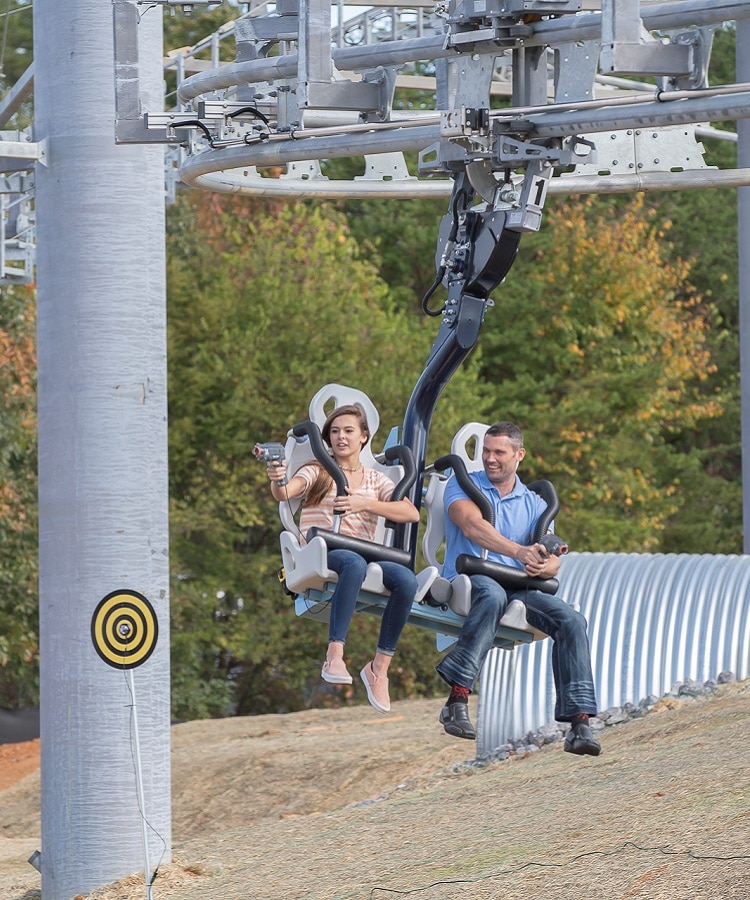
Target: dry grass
x=345, y=804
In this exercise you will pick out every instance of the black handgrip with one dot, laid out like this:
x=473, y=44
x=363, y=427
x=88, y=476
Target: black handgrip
x=547, y=492
x=323, y=457
x=370, y=551
x=453, y=461
x=406, y=457
x=507, y=576
x=404, y=454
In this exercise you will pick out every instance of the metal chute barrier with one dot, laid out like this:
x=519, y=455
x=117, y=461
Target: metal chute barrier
x=654, y=620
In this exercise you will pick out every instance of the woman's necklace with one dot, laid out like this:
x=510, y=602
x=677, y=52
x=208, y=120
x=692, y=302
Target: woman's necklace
x=352, y=468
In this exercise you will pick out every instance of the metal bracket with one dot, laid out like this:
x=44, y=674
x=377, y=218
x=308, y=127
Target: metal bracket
x=526, y=215
x=465, y=121
x=130, y=125
x=316, y=86
x=509, y=151
x=637, y=150
x=385, y=167
x=474, y=22
x=700, y=41
x=628, y=49
x=18, y=153
x=306, y=170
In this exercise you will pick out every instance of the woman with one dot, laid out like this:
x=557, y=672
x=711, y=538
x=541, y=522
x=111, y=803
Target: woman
x=368, y=498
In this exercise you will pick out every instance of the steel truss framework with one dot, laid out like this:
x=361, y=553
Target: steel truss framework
x=613, y=99
x=300, y=92
x=291, y=100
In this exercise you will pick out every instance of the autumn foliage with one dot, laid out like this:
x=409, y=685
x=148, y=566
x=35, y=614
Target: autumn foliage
x=18, y=520
x=601, y=349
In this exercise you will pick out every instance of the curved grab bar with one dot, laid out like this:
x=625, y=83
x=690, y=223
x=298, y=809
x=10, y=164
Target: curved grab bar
x=369, y=550
x=321, y=454
x=547, y=492
x=455, y=462
x=404, y=454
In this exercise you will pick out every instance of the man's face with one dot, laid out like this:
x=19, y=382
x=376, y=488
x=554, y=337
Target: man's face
x=500, y=459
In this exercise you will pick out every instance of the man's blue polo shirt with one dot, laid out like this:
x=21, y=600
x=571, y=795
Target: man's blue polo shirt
x=516, y=515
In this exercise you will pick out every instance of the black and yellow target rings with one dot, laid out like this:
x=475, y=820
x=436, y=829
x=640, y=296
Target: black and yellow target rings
x=124, y=629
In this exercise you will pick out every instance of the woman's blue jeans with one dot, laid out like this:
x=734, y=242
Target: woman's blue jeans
x=351, y=569
x=571, y=657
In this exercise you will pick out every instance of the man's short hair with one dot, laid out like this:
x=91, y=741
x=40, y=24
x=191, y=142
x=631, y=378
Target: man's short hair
x=509, y=430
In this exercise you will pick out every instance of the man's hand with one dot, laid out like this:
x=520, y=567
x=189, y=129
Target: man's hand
x=533, y=558
x=537, y=562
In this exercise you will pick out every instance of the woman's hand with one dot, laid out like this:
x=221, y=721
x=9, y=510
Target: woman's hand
x=351, y=503
x=276, y=472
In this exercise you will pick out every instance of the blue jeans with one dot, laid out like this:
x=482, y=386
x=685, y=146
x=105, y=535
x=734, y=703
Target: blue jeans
x=351, y=569
x=571, y=657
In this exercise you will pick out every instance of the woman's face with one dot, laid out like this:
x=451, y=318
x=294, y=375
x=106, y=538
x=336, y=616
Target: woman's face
x=346, y=435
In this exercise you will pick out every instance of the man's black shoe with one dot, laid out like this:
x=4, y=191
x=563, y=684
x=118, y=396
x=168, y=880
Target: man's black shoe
x=581, y=741
x=455, y=719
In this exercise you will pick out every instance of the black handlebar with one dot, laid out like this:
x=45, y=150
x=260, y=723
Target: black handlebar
x=507, y=576
x=371, y=551
x=321, y=454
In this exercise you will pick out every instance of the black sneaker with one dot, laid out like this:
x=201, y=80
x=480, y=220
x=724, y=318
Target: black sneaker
x=454, y=718
x=581, y=741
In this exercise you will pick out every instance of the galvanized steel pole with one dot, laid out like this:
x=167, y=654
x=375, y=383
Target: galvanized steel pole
x=743, y=253
x=102, y=457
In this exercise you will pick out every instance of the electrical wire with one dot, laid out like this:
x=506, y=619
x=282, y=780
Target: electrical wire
x=457, y=195
x=199, y=124
x=249, y=109
x=664, y=849
x=150, y=878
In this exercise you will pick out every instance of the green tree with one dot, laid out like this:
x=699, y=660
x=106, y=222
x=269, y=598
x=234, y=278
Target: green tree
x=599, y=348
x=268, y=302
x=713, y=449
x=16, y=41
x=19, y=649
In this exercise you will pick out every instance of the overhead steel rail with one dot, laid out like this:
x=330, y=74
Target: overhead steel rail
x=227, y=159
x=565, y=30
x=662, y=108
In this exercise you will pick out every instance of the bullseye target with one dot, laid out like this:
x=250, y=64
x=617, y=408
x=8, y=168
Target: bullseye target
x=124, y=629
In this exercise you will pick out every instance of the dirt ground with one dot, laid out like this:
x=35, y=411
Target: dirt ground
x=351, y=805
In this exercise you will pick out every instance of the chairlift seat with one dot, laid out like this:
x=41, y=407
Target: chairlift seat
x=455, y=595
x=306, y=570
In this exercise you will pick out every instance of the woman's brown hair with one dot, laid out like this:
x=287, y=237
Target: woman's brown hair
x=322, y=483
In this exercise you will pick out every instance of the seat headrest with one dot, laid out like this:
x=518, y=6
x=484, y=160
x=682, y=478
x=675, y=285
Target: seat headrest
x=331, y=396
x=467, y=443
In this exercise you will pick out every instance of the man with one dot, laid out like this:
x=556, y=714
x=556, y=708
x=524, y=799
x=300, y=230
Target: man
x=510, y=541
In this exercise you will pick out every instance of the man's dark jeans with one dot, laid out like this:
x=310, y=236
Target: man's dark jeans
x=571, y=657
